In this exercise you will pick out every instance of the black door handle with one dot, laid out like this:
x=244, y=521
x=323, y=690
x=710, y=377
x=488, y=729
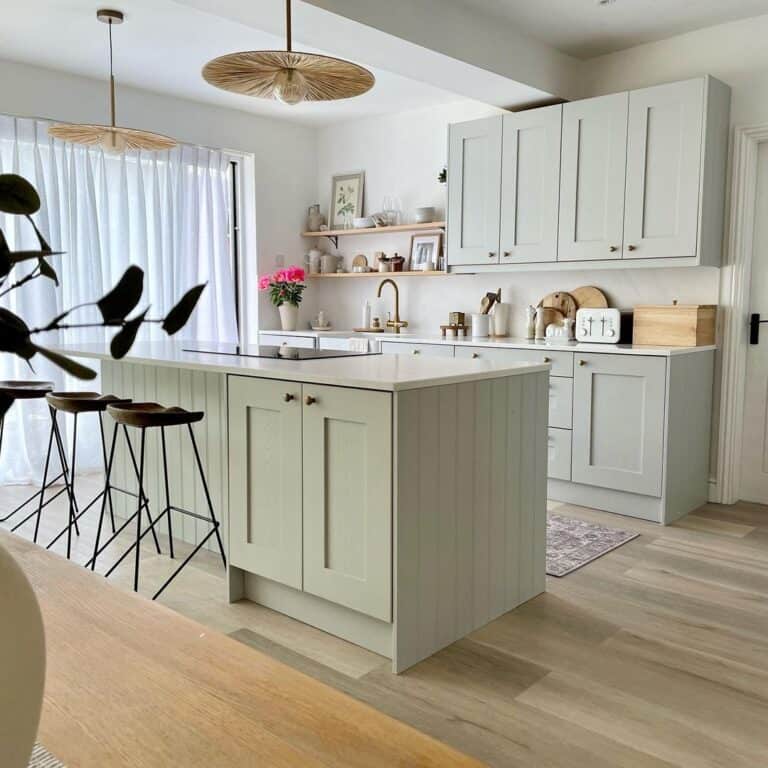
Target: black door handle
x=754, y=327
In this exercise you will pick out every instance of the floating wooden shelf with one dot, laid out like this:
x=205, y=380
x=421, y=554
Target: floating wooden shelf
x=429, y=273
x=333, y=234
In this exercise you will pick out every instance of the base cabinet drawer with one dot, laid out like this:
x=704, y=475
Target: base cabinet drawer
x=277, y=340
x=559, y=453
x=560, y=402
x=411, y=348
x=561, y=362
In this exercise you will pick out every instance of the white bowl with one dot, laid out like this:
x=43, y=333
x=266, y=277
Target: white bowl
x=365, y=222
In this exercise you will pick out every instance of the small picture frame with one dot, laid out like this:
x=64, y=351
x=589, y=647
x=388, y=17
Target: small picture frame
x=425, y=252
x=346, y=199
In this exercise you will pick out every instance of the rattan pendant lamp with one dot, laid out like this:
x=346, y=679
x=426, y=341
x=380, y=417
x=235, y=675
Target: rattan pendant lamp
x=112, y=138
x=289, y=76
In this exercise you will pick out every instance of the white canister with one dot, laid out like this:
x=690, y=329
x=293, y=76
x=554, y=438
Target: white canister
x=481, y=326
x=314, y=259
x=500, y=319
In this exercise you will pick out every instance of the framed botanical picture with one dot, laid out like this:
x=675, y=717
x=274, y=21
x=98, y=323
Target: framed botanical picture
x=425, y=252
x=346, y=199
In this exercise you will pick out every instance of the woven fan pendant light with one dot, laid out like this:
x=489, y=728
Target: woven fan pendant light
x=112, y=138
x=289, y=76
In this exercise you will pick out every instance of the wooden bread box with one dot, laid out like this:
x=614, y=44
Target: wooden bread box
x=674, y=325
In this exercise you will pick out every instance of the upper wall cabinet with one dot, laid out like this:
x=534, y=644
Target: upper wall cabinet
x=634, y=178
x=594, y=157
x=474, y=191
x=530, y=185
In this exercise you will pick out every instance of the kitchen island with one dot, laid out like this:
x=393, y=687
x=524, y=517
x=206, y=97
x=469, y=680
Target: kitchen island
x=397, y=502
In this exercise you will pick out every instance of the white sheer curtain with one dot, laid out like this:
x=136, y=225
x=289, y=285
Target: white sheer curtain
x=167, y=212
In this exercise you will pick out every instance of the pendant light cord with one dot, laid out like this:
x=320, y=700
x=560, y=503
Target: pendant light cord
x=288, y=25
x=111, y=80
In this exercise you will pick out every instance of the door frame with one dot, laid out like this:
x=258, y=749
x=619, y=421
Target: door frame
x=735, y=283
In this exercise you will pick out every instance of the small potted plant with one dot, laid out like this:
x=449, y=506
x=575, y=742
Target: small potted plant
x=285, y=289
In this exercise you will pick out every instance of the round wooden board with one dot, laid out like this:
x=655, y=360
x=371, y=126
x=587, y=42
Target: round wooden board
x=589, y=296
x=561, y=301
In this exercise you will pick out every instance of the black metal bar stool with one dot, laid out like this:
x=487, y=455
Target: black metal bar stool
x=77, y=403
x=145, y=416
x=30, y=390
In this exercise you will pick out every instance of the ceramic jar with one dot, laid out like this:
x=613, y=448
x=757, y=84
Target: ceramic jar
x=289, y=316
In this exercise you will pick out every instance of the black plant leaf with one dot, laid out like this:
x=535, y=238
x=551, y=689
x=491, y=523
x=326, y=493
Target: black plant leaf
x=46, y=270
x=14, y=335
x=124, y=338
x=5, y=403
x=124, y=297
x=17, y=195
x=71, y=366
x=6, y=264
x=177, y=318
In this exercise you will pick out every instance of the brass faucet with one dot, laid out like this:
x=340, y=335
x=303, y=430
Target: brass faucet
x=397, y=323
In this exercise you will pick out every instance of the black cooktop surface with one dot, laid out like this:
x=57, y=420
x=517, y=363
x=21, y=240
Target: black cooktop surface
x=283, y=352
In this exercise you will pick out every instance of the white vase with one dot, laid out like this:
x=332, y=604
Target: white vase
x=289, y=316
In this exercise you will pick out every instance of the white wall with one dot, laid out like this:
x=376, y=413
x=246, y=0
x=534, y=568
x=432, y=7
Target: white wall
x=284, y=172
x=402, y=154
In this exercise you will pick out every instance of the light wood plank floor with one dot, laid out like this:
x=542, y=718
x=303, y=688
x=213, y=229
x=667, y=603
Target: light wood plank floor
x=654, y=655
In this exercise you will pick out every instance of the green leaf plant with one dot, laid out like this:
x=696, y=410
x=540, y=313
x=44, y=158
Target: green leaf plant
x=19, y=198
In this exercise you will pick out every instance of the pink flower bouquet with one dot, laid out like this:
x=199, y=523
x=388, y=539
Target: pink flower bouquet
x=285, y=286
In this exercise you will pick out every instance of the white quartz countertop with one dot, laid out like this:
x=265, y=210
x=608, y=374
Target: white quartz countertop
x=381, y=372
x=506, y=343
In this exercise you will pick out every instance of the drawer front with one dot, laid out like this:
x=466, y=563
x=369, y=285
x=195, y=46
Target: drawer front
x=560, y=402
x=409, y=348
x=276, y=340
x=559, y=454
x=334, y=342
x=562, y=362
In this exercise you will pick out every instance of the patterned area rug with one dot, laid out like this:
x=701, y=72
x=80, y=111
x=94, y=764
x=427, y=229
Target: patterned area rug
x=573, y=543
x=42, y=758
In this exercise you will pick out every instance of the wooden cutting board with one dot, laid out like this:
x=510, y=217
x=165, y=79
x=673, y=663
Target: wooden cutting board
x=589, y=296
x=561, y=301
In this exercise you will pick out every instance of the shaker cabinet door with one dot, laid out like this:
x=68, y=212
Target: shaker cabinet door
x=530, y=185
x=594, y=154
x=618, y=422
x=265, y=478
x=474, y=191
x=348, y=497
x=663, y=170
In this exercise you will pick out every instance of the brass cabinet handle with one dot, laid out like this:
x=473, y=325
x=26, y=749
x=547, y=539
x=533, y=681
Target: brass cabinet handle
x=613, y=248
x=547, y=359
x=287, y=397
x=631, y=247
x=582, y=362
x=491, y=254
x=308, y=400
x=507, y=254
x=416, y=352
x=475, y=355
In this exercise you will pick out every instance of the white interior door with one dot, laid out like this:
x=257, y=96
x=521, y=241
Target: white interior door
x=754, y=461
x=593, y=170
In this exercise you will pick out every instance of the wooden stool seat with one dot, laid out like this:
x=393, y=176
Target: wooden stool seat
x=25, y=390
x=82, y=402
x=152, y=415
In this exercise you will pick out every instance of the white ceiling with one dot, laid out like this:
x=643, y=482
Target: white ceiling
x=585, y=28
x=163, y=46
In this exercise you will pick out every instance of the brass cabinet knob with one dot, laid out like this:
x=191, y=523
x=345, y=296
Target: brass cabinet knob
x=475, y=355
x=613, y=248
x=547, y=359
x=491, y=254
x=507, y=254
x=308, y=400
x=631, y=247
x=416, y=351
x=287, y=397
x=582, y=362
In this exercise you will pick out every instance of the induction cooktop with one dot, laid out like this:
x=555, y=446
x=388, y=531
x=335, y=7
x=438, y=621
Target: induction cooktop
x=283, y=352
